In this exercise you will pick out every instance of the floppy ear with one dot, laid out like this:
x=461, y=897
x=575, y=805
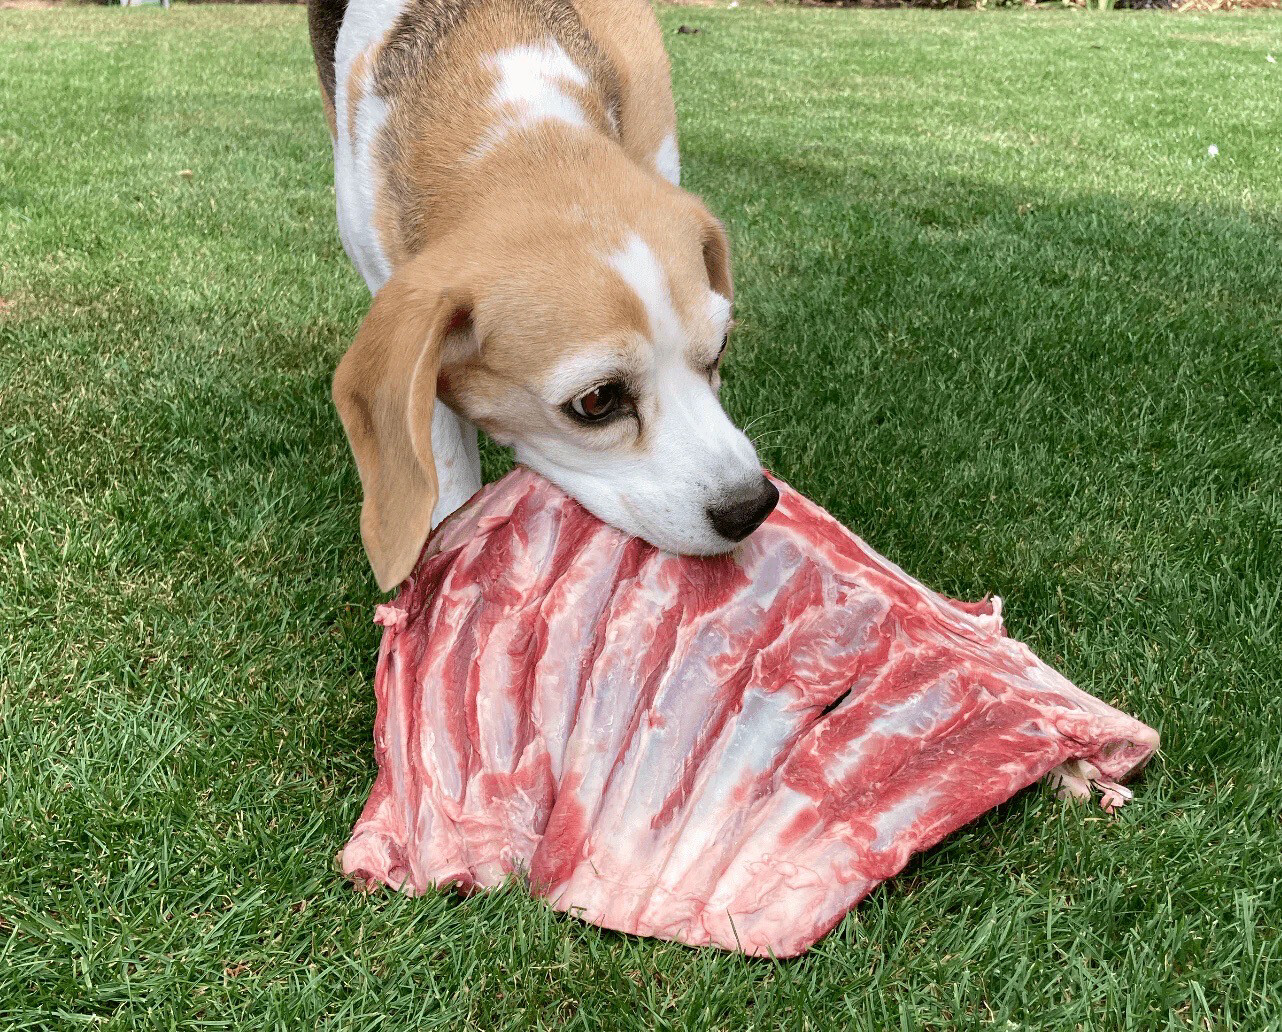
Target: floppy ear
x=385, y=392
x=716, y=254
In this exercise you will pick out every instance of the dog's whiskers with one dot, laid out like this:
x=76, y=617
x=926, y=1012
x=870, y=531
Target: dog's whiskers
x=765, y=415
x=758, y=438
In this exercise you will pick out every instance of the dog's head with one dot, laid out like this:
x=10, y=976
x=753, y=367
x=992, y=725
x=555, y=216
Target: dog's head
x=594, y=352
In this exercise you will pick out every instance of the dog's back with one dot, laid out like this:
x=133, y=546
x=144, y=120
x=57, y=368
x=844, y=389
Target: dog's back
x=416, y=92
x=618, y=42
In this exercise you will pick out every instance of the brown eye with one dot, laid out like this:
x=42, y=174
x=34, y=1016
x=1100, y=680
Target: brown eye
x=716, y=362
x=598, y=404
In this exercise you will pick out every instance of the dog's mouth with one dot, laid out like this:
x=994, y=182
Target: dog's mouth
x=717, y=529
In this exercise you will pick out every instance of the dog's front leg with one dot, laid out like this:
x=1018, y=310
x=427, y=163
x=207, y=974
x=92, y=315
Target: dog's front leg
x=458, y=460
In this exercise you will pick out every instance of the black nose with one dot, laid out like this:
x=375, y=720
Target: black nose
x=743, y=511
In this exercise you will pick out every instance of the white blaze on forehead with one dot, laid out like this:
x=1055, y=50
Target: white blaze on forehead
x=640, y=269
x=532, y=87
x=667, y=159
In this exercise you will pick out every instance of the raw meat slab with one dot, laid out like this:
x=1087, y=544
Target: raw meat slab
x=726, y=752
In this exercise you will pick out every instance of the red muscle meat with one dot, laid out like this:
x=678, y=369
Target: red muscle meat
x=727, y=751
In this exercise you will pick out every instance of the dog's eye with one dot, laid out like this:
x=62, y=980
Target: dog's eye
x=715, y=364
x=597, y=404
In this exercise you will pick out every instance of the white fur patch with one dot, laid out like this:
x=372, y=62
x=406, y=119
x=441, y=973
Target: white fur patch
x=640, y=269
x=356, y=187
x=667, y=160
x=458, y=460
x=365, y=22
x=718, y=310
x=356, y=176
x=531, y=88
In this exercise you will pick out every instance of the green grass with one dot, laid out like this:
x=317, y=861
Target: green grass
x=1001, y=314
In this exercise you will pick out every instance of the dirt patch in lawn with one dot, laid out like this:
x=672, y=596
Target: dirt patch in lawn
x=1200, y=6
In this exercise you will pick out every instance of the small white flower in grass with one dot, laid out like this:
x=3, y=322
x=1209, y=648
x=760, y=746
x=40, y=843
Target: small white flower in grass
x=1270, y=58
x=734, y=4
x=1212, y=151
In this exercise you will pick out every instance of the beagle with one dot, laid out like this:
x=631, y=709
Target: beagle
x=506, y=176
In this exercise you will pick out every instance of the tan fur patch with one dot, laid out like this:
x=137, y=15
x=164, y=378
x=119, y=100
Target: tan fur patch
x=356, y=89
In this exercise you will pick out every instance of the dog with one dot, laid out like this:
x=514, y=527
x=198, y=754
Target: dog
x=507, y=183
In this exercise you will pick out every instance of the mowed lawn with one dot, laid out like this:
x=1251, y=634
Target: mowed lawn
x=1001, y=313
